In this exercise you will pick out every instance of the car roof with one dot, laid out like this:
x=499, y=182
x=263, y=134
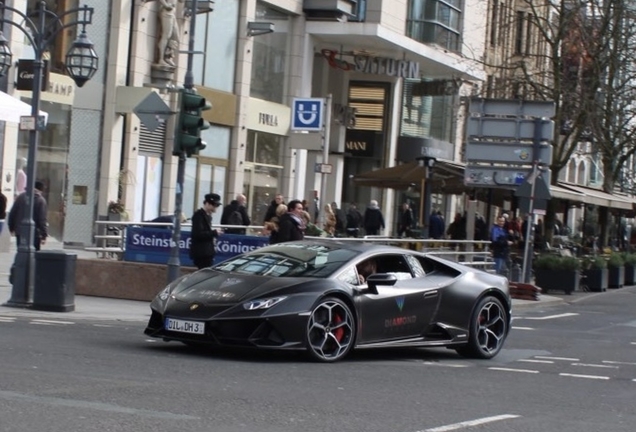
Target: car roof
x=356, y=246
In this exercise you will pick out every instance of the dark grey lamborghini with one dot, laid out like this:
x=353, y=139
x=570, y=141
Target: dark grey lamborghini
x=329, y=297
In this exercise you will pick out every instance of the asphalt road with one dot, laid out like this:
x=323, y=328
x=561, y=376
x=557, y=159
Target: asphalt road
x=565, y=368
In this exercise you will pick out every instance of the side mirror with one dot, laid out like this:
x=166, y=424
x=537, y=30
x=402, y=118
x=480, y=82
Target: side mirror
x=383, y=279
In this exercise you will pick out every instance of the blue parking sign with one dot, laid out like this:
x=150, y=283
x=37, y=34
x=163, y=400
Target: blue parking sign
x=307, y=114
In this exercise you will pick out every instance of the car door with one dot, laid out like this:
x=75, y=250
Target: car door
x=401, y=311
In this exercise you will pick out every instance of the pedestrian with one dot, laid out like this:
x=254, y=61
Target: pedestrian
x=354, y=220
x=273, y=207
x=235, y=214
x=20, y=210
x=202, y=236
x=500, y=244
x=406, y=221
x=436, y=227
x=272, y=226
x=3, y=210
x=373, y=219
x=311, y=229
x=330, y=221
x=341, y=219
x=457, y=228
x=291, y=226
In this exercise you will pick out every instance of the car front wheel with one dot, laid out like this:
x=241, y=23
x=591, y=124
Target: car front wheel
x=331, y=329
x=488, y=330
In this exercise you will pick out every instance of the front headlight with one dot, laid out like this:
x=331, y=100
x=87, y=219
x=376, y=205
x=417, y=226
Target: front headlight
x=263, y=303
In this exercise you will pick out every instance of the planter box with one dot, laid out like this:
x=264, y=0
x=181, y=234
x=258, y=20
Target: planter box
x=630, y=274
x=616, y=278
x=557, y=280
x=596, y=279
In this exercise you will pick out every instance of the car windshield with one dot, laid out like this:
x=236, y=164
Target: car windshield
x=291, y=260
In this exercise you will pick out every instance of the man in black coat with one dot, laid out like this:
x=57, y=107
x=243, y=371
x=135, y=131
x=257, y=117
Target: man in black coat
x=406, y=221
x=291, y=226
x=373, y=219
x=20, y=210
x=235, y=214
x=271, y=210
x=202, y=248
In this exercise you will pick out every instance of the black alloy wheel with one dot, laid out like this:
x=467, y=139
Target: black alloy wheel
x=488, y=330
x=331, y=330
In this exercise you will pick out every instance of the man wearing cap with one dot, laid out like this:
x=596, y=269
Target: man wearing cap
x=20, y=209
x=202, y=237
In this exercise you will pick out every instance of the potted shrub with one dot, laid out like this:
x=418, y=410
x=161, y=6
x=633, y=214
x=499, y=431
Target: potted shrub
x=616, y=273
x=630, y=268
x=116, y=211
x=553, y=272
x=596, y=273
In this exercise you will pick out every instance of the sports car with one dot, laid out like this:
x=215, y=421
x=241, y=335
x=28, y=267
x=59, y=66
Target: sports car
x=330, y=297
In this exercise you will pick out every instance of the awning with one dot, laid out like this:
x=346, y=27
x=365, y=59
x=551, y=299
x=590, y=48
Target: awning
x=566, y=194
x=600, y=198
x=376, y=38
x=448, y=177
x=11, y=109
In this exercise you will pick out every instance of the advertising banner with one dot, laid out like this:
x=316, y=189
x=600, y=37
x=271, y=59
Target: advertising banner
x=152, y=245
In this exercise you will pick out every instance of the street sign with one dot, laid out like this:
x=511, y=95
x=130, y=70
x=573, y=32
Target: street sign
x=507, y=177
x=539, y=207
x=152, y=111
x=508, y=128
x=512, y=107
x=323, y=168
x=541, y=188
x=27, y=123
x=509, y=153
x=307, y=114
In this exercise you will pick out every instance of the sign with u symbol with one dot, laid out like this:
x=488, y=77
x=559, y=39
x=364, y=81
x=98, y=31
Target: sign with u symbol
x=307, y=114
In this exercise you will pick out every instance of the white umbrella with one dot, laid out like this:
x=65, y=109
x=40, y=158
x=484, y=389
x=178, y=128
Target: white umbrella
x=11, y=109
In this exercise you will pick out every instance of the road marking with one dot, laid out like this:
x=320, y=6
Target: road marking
x=470, y=423
x=618, y=363
x=7, y=320
x=557, y=358
x=514, y=370
x=102, y=325
x=595, y=365
x=564, y=315
x=43, y=321
x=584, y=376
x=99, y=406
x=522, y=328
x=452, y=365
x=536, y=361
x=633, y=343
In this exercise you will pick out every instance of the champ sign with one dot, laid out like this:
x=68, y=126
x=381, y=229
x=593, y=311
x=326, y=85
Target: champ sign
x=152, y=245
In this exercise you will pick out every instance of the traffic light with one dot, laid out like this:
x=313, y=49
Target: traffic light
x=188, y=136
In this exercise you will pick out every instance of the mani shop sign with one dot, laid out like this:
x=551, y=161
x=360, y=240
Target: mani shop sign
x=152, y=245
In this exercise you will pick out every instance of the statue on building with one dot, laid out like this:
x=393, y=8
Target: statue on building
x=169, y=40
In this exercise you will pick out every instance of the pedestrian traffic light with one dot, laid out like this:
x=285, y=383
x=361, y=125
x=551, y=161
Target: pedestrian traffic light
x=190, y=124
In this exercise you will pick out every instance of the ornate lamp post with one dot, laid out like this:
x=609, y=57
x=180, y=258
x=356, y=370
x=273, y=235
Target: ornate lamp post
x=81, y=64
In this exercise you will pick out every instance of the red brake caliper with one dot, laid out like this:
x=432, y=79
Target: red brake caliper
x=338, y=333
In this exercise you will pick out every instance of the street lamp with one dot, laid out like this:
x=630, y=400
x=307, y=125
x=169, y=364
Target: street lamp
x=81, y=64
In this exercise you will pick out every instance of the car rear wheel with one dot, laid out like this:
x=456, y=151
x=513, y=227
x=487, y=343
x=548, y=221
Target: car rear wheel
x=488, y=330
x=331, y=329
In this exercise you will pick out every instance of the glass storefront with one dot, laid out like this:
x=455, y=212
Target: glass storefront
x=203, y=176
x=52, y=163
x=263, y=172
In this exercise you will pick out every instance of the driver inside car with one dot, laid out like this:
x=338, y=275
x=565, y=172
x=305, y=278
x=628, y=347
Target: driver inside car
x=365, y=269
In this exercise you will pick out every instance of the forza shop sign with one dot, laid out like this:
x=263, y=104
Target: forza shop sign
x=26, y=74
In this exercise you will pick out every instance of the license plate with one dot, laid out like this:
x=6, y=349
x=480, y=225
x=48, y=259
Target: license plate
x=183, y=326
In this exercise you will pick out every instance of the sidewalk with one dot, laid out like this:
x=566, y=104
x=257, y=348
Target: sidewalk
x=107, y=309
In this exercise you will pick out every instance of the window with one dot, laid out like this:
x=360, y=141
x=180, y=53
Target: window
x=519, y=34
x=493, y=24
x=435, y=21
x=529, y=25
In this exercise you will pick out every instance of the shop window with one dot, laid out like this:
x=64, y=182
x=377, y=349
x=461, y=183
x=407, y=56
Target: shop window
x=148, y=187
x=263, y=172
